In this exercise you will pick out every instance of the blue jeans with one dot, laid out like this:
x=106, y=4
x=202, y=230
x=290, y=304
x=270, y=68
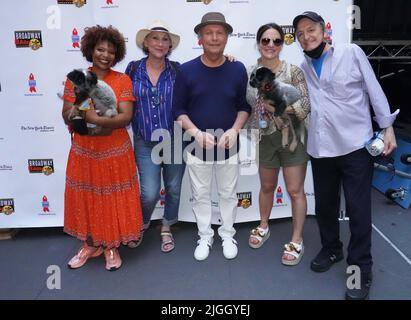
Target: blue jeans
x=150, y=182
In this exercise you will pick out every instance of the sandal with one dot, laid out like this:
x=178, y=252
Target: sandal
x=165, y=243
x=113, y=260
x=293, y=249
x=135, y=243
x=259, y=234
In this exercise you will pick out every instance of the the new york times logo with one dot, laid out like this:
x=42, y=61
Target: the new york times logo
x=37, y=128
x=243, y=35
x=5, y=167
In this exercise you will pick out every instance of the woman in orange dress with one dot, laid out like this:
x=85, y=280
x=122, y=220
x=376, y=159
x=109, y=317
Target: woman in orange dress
x=102, y=199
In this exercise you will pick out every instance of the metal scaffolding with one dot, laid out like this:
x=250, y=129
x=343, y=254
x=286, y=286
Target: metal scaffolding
x=386, y=49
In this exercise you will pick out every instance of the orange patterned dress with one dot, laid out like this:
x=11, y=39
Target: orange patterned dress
x=102, y=197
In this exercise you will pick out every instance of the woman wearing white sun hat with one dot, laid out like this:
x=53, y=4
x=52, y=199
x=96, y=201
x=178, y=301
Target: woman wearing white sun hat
x=153, y=81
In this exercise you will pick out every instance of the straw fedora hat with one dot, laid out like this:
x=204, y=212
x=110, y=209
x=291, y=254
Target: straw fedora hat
x=156, y=26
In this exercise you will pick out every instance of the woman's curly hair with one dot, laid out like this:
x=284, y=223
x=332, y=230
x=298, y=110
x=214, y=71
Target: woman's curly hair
x=96, y=34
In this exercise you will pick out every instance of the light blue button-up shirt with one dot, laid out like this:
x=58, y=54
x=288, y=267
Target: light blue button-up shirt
x=340, y=119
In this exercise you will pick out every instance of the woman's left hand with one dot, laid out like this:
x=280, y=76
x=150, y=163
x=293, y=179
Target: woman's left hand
x=92, y=116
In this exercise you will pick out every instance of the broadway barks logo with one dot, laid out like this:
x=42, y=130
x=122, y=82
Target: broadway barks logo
x=77, y=3
x=44, y=166
x=203, y=1
x=7, y=206
x=28, y=39
x=289, y=34
x=244, y=199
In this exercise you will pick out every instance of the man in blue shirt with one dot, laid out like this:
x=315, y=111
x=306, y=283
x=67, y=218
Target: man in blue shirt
x=210, y=102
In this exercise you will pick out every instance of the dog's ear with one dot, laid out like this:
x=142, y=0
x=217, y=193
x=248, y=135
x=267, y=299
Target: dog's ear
x=91, y=78
x=253, y=80
x=77, y=77
x=261, y=73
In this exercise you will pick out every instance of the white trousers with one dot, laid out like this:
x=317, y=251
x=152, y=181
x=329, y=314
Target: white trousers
x=201, y=177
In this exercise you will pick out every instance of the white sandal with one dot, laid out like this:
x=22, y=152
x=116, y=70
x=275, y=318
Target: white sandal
x=261, y=235
x=293, y=249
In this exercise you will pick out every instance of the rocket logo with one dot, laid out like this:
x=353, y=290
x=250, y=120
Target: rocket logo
x=162, y=197
x=32, y=83
x=75, y=38
x=329, y=33
x=45, y=204
x=279, y=195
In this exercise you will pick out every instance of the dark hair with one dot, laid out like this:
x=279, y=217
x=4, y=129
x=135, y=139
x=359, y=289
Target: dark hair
x=145, y=49
x=267, y=26
x=96, y=34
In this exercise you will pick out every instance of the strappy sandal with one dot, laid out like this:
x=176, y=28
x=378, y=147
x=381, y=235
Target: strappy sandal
x=293, y=249
x=167, y=243
x=259, y=234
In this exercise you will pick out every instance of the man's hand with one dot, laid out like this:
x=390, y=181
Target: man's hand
x=205, y=139
x=390, y=143
x=228, y=139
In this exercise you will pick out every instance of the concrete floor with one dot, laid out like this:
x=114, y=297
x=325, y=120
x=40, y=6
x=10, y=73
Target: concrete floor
x=149, y=274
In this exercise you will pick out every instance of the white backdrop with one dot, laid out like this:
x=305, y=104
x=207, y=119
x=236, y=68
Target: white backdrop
x=34, y=141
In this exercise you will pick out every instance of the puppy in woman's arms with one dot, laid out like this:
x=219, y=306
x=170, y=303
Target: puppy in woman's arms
x=86, y=87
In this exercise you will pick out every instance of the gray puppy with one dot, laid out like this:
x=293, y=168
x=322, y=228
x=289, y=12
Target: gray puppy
x=86, y=85
x=280, y=95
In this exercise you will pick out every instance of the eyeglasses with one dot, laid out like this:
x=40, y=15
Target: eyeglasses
x=266, y=41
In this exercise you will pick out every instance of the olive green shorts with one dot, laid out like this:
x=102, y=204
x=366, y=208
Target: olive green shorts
x=272, y=154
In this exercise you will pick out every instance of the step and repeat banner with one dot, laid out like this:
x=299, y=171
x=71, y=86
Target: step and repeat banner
x=41, y=44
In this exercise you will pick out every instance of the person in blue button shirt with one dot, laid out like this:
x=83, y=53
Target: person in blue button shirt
x=153, y=81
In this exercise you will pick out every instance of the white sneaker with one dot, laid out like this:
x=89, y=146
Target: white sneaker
x=203, y=248
x=230, y=248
